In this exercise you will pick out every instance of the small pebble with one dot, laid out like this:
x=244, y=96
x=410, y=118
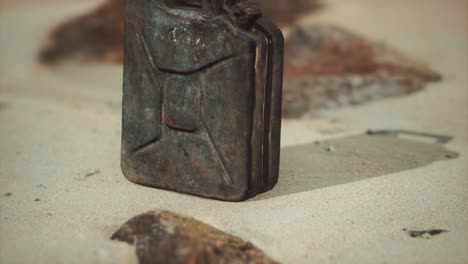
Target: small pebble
x=92, y=172
x=41, y=186
x=99, y=252
x=331, y=148
x=37, y=200
x=451, y=156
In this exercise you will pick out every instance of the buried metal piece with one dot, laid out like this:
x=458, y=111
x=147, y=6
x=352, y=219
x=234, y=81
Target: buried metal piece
x=396, y=133
x=166, y=237
x=202, y=97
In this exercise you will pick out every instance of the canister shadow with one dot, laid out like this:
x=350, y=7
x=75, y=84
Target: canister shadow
x=340, y=161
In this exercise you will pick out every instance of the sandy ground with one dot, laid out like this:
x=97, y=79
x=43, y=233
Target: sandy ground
x=348, y=205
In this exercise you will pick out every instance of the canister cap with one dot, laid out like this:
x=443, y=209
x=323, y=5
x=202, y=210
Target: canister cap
x=245, y=14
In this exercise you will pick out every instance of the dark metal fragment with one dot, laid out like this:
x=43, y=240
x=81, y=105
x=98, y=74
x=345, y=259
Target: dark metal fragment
x=327, y=66
x=427, y=234
x=165, y=237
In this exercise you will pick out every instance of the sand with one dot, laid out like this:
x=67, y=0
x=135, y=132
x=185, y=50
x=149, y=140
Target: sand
x=345, y=200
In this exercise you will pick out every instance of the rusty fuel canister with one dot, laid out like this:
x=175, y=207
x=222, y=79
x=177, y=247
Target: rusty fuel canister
x=202, y=97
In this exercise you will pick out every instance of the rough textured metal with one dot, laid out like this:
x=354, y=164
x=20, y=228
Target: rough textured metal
x=202, y=97
x=166, y=237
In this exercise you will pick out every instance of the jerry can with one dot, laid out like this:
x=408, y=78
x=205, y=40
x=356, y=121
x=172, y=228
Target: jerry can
x=201, y=97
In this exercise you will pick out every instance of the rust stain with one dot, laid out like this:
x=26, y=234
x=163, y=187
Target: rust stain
x=166, y=237
x=171, y=120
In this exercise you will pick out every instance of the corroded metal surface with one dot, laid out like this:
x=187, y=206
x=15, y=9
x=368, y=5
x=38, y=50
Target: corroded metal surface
x=166, y=237
x=202, y=97
x=328, y=66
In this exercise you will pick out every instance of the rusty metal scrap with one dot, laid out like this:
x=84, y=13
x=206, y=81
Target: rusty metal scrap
x=327, y=66
x=165, y=237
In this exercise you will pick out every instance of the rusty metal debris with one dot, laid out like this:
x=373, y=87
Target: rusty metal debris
x=202, y=98
x=95, y=36
x=441, y=139
x=165, y=237
x=327, y=66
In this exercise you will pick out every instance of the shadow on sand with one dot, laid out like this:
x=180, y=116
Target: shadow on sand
x=339, y=161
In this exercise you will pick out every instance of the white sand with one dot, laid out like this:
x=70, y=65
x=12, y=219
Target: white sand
x=346, y=206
